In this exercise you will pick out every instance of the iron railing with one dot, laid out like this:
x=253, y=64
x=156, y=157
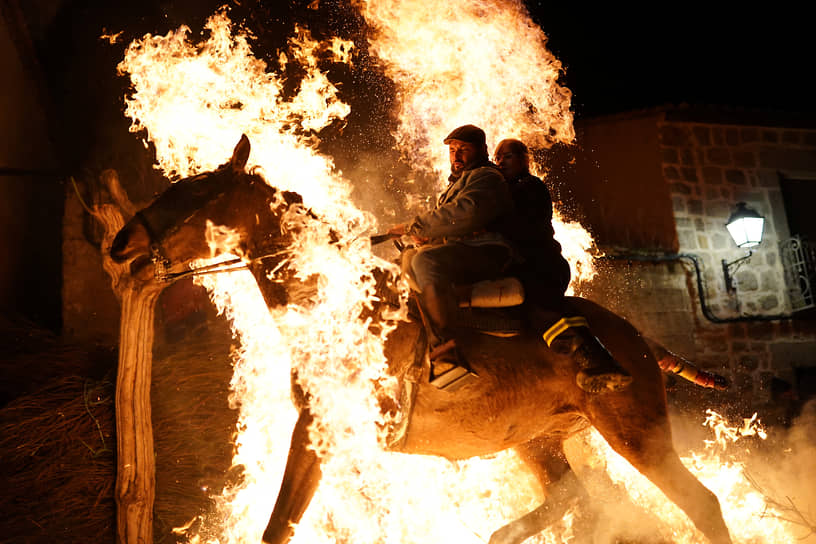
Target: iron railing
x=799, y=261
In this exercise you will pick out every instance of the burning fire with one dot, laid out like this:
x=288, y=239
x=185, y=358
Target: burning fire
x=194, y=100
x=746, y=510
x=469, y=61
x=578, y=248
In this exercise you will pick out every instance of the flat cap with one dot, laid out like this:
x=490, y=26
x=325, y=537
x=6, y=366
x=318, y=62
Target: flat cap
x=467, y=133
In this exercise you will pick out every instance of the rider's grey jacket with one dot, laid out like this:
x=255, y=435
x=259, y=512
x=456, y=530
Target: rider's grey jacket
x=468, y=208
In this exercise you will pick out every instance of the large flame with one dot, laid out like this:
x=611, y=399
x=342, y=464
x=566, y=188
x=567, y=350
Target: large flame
x=194, y=100
x=468, y=61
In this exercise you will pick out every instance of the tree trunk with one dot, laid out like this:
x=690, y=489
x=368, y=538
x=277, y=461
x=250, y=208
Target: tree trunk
x=136, y=474
x=136, y=466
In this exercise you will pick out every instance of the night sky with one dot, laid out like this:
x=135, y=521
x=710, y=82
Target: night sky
x=619, y=58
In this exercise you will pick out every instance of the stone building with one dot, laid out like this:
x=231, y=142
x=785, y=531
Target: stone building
x=656, y=188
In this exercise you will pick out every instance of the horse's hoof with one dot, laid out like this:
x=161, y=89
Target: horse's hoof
x=603, y=382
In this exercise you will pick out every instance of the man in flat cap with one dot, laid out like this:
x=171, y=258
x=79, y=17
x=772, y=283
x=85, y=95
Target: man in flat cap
x=461, y=241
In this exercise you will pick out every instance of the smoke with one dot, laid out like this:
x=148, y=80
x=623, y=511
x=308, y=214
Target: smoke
x=783, y=469
x=764, y=485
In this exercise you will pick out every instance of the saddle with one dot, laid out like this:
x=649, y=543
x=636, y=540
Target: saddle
x=492, y=306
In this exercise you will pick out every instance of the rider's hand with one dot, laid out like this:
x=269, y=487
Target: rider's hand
x=398, y=230
x=402, y=230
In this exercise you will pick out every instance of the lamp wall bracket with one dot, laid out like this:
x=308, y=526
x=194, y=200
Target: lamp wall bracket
x=730, y=284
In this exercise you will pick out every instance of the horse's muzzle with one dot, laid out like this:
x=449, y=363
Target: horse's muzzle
x=130, y=242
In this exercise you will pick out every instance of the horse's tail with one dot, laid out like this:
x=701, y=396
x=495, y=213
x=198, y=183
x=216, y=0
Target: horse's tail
x=671, y=363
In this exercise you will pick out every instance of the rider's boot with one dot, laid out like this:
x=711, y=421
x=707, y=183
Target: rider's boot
x=598, y=371
x=449, y=370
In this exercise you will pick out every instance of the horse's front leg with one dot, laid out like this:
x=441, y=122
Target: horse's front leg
x=545, y=457
x=300, y=480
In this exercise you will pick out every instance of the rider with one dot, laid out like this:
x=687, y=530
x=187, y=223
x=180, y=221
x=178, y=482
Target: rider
x=460, y=243
x=545, y=273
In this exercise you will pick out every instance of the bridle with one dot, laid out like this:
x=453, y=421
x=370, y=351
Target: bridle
x=162, y=264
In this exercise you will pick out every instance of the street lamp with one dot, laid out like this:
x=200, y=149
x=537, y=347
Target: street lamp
x=745, y=226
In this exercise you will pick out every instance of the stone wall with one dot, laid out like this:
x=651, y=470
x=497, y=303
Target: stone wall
x=706, y=168
x=655, y=298
x=660, y=299
x=709, y=168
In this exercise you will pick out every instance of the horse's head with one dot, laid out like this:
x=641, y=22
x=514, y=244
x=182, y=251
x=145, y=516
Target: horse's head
x=172, y=230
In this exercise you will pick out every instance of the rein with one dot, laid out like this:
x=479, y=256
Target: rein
x=161, y=264
x=162, y=275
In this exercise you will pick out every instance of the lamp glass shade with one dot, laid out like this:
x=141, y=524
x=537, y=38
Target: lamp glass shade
x=746, y=226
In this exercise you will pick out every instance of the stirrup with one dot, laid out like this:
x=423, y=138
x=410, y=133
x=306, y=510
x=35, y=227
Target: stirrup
x=452, y=375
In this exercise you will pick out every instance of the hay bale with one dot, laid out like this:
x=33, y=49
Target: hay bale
x=58, y=445
x=32, y=357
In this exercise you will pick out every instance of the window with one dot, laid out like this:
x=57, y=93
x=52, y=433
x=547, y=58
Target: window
x=799, y=252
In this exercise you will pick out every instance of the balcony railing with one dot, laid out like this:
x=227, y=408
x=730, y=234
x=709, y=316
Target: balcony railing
x=799, y=261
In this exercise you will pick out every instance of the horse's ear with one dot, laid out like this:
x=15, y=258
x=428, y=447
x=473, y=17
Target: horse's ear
x=240, y=155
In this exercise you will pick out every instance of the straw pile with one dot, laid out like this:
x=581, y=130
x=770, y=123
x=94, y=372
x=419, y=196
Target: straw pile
x=31, y=357
x=57, y=440
x=57, y=473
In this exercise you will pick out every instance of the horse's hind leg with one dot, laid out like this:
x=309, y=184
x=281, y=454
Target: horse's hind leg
x=649, y=449
x=300, y=480
x=545, y=457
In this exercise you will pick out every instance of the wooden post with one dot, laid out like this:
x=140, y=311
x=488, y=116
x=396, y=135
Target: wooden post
x=136, y=467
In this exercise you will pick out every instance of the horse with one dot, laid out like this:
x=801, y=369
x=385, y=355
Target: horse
x=525, y=397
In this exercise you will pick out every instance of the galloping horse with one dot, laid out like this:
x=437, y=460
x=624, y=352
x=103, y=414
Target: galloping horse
x=525, y=398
